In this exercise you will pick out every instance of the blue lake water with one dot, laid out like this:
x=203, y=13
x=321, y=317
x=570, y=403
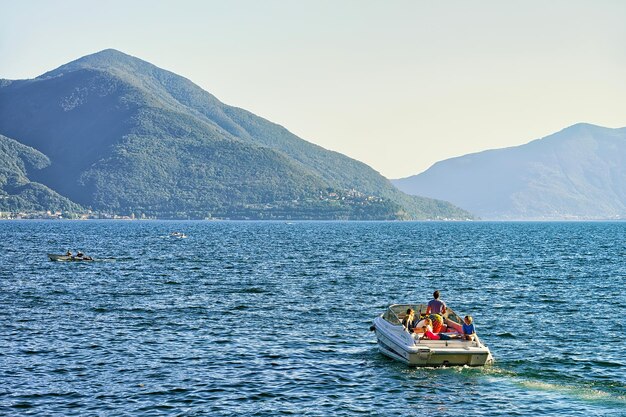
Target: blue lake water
x=272, y=318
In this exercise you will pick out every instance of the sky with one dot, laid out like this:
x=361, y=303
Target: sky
x=396, y=84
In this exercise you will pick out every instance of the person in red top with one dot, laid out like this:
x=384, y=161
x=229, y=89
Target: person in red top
x=437, y=322
x=428, y=334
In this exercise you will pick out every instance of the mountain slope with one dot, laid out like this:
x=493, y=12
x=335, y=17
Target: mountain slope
x=577, y=173
x=123, y=135
x=17, y=192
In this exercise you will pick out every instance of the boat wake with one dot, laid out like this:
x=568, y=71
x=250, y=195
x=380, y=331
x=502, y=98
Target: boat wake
x=586, y=393
x=610, y=392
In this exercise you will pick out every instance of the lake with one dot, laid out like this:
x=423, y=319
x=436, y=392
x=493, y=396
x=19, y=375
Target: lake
x=272, y=318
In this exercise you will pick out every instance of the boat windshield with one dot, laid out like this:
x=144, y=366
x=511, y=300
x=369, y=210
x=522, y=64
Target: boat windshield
x=451, y=315
x=396, y=313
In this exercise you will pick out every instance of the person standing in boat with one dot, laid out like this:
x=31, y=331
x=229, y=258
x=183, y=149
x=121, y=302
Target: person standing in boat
x=436, y=306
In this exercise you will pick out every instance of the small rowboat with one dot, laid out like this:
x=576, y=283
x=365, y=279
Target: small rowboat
x=67, y=258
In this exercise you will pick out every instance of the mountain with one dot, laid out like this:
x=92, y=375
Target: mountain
x=125, y=136
x=577, y=173
x=17, y=192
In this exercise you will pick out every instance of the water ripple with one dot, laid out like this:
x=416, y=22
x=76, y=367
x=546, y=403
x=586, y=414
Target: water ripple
x=265, y=319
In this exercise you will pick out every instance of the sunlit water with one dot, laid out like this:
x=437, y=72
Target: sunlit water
x=262, y=318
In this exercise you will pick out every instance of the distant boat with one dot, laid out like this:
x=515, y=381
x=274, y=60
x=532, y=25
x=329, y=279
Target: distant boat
x=69, y=258
x=179, y=235
x=395, y=341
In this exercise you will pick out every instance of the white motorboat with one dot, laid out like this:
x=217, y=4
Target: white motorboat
x=395, y=341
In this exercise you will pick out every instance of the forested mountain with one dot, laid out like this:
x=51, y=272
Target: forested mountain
x=577, y=173
x=17, y=192
x=125, y=136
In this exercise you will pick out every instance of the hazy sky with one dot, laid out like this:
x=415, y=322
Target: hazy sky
x=398, y=85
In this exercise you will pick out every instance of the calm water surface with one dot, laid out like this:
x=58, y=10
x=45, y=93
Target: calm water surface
x=261, y=318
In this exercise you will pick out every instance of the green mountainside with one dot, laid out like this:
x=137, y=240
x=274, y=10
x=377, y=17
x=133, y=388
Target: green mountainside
x=17, y=192
x=124, y=136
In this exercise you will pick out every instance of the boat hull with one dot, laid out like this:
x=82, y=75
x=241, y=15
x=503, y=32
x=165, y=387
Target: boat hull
x=398, y=344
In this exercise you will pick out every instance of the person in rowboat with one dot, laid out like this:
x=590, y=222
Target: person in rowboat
x=81, y=256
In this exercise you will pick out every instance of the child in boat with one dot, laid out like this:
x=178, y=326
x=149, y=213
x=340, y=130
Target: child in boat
x=428, y=323
x=437, y=323
x=428, y=334
x=469, y=333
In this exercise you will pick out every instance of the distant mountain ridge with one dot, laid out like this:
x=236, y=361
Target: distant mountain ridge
x=577, y=173
x=125, y=136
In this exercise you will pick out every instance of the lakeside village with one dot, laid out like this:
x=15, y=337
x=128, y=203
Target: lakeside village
x=352, y=196
x=59, y=215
